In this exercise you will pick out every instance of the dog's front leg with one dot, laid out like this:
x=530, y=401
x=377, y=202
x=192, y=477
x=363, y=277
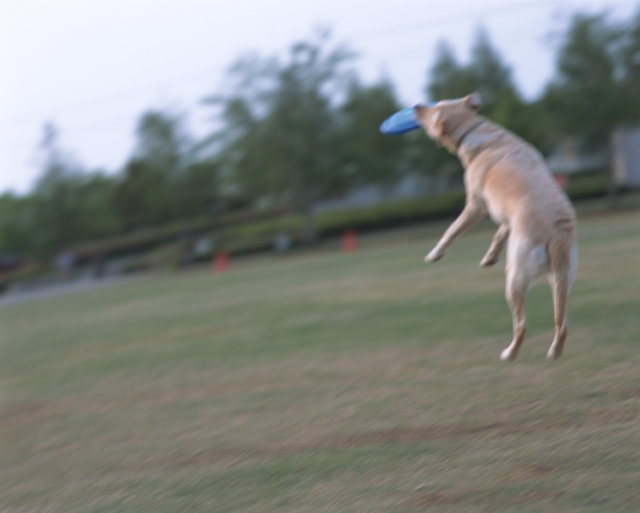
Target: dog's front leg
x=497, y=244
x=471, y=214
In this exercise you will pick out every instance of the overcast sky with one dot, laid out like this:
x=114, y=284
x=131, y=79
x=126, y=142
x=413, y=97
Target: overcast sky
x=92, y=66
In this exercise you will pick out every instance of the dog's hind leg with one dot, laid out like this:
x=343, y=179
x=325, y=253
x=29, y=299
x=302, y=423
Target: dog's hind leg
x=561, y=279
x=516, y=292
x=560, y=287
x=524, y=264
x=497, y=244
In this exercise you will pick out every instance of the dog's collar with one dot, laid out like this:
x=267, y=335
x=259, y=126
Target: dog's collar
x=467, y=132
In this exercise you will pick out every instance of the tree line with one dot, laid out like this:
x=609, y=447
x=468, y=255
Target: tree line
x=294, y=129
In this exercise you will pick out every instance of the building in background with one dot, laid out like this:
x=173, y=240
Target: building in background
x=626, y=157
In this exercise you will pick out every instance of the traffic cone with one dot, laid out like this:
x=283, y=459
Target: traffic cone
x=561, y=180
x=221, y=262
x=349, y=241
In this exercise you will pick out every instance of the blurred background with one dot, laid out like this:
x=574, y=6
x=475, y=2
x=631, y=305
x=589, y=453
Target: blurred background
x=213, y=294
x=145, y=134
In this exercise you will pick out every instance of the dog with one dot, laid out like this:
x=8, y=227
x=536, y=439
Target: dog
x=508, y=179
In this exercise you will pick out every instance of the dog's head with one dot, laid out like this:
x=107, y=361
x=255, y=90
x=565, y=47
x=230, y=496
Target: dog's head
x=442, y=120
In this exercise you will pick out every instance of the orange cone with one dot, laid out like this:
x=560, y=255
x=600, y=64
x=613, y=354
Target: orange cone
x=221, y=262
x=349, y=241
x=561, y=180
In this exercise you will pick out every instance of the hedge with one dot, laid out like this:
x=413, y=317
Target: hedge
x=245, y=231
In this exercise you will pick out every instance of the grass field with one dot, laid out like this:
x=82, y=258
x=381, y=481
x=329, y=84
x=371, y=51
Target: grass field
x=326, y=382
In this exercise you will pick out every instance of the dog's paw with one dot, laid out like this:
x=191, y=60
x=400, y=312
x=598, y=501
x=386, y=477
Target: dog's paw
x=554, y=353
x=488, y=261
x=433, y=256
x=508, y=355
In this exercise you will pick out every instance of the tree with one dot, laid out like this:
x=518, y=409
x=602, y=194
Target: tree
x=241, y=139
x=629, y=56
x=529, y=120
x=486, y=73
x=368, y=155
x=281, y=137
x=586, y=95
x=447, y=78
x=161, y=142
x=490, y=76
x=154, y=188
x=18, y=224
x=55, y=196
x=198, y=189
x=67, y=204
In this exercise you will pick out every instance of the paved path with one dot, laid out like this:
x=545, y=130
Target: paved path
x=14, y=297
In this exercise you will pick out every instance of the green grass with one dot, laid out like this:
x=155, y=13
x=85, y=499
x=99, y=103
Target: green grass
x=328, y=382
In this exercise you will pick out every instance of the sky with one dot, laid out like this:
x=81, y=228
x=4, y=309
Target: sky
x=93, y=66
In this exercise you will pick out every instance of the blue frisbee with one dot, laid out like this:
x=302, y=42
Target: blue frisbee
x=402, y=121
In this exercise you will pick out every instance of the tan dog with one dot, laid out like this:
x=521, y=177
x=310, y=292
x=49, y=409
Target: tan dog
x=508, y=179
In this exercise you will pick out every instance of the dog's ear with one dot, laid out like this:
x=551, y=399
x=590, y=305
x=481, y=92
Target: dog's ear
x=473, y=101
